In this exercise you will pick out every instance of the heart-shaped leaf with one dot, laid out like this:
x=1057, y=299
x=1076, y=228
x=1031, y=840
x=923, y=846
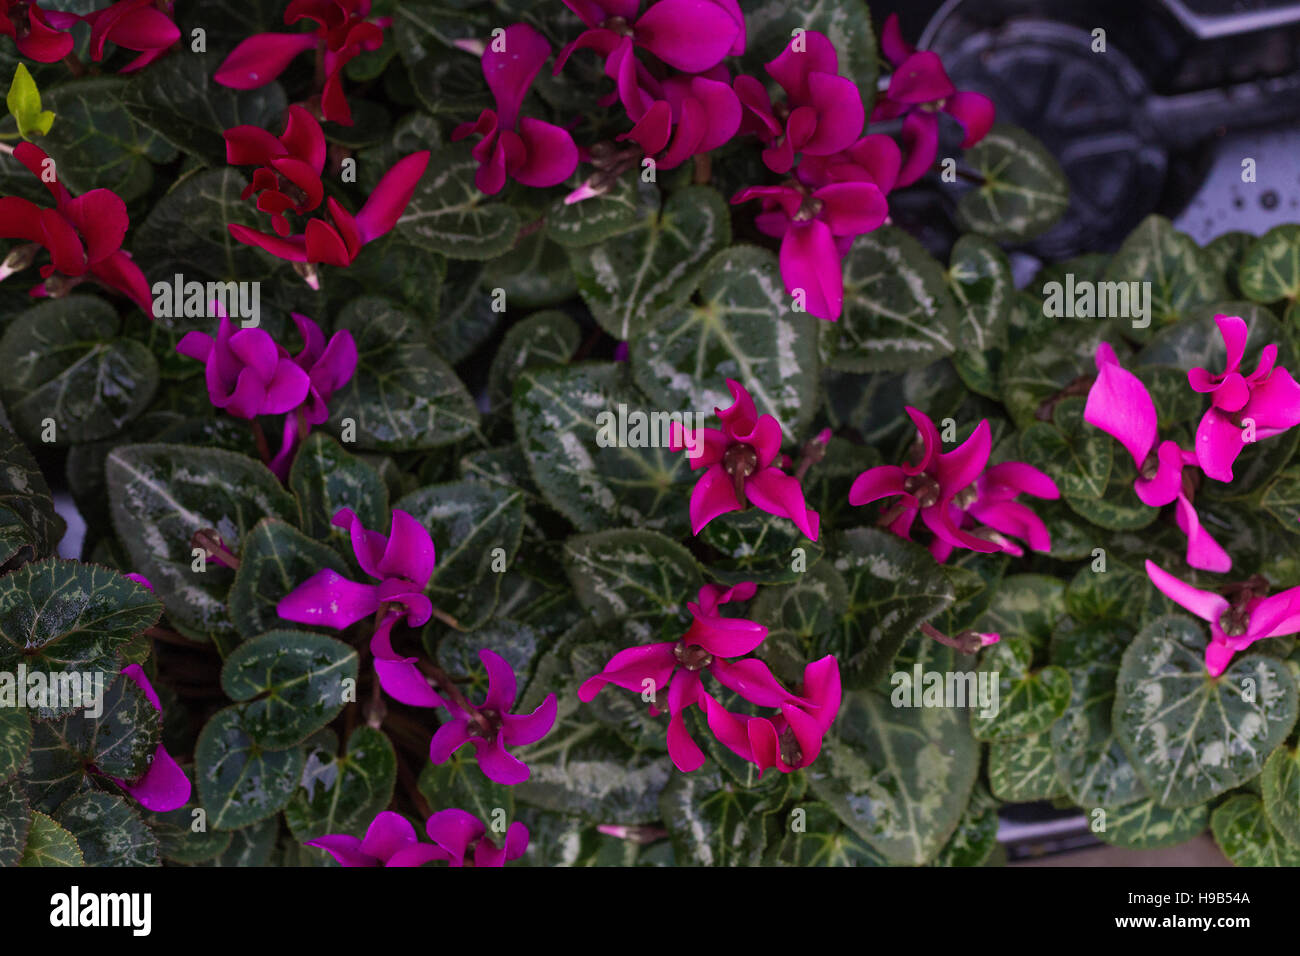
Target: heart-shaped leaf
x=1029, y=701
x=1092, y=766
x=108, y=830
x=342, y=794
x=1023, y=770
x=29, y=526
x=275, y=559
x=546, y=338
x=240, y=782
x=448, y=214
x=1023, y=192
x=1247, y=837
x=325, y=478
x=1270, y=269
x=48, y=844
x=630, y=574
x=1145, y=825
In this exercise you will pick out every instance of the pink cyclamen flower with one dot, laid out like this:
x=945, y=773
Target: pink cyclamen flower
x=343, y=31
x=329, y=365
x=163, y=786
x=1234, y=625
x=40, y=35
x=939, y=487
x=739, y=465
x=140, y=25
x=824, y=113
x=990, y=501
x=247, y=373
x=919, y=89
x=816, y=227
x=875, y=159
x=793, y=739
x=463, y=837
x=683, y=116
x=390, y=840
x=83, y=236
x=674, y=669
x=1267, y=401
x=1120, y=405
x=524, y=149
x=288, y=179
x=490, y=728
x=403, y=563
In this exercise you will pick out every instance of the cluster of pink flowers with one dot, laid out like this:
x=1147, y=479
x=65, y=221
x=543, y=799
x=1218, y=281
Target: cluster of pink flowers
x=789, y=739
x=403, y=562
x=964, y=502
x=1242, y=409
x=459, y=839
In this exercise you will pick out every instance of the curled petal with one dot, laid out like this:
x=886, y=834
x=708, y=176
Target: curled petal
x=1203, y=551
x=1168, y=480
x=330, y=600
x=713, y=495
x=390, y=198
x=261, y=58
x=780, y=494
x=1120, y=405
x=975, y=112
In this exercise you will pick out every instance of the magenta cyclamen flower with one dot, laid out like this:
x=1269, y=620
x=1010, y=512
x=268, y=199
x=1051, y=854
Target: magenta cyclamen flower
x=1266, y=401
x=816, y=227
x=342, y=33
x=247, y=373
x=138, y=25
x=1234, y=626
x=823, y=110
x=952, y=489
x=403, y=562
x=490, y=728
x=1120, y=405
x=673, y=669
x=739, y=466
x=793, y=739
x=688, y=35
x=683, y=116
x=163, y=786
x=464, y=838
x=875, y=159
x=39, y=34
x=919, y=89
x=527, y=150
x=329, y=365
x=391, y=840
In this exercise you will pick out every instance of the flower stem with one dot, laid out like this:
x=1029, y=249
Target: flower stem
x=259, y=436
x=73, y=63
x=967, y=642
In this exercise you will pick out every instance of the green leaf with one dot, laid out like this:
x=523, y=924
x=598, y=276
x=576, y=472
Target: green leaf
x=1192, y=736
x=97, y=144
x=177, y=99
x=979, y=277
x=630, y=574
x=468, y=521
x=342, y=794
x=275, y=559
x=757, y=546
x=1270, y=269
x=1025, y=606
x=711, y=824
x=740, y=327
x=821, y=840
x=295, y=683
x=1038, y=367
x=1146, y=825
x=178, y=839
x=108, y=830
x=161, y=495
x=1023, y=770
x=545, y=338
x=249, y=846
x=1180, y=273
x=15, y=822
x=1281, y=499
x=447, y=214
x=447, y=81
x=24, y=102
x=65, y=617
x=459, y=782
x=64, y=360
x=898, y=777
x=602, y=217
x=403, y=396
x=15, y=741
x=29, y=526
x=1030, y=700
x=629, y=281
x=1122, y=593
x=567, y=420
x=1024, y=191
x=534, y=274
x=1280, y=786
x=977, y=833
x=49, y=844
x=1246, y=836
x=898, y=312
x=893, y=586
x=325, y=478
x=1073, y=453
x=239, y=782
x=1092, y=766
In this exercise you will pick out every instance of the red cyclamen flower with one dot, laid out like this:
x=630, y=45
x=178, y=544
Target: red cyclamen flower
x=524, y=149
x=490, y=727
x=823, y=110
x=919, y=89
x=1267, y=400
x=39, y=34
x=1120, y=405
x=138, y=25
x=674, y=669
x=83, y=236
x=289, y=179
x=952, y=489
x=816, y=227
x=739, y=462
x=342, y=32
